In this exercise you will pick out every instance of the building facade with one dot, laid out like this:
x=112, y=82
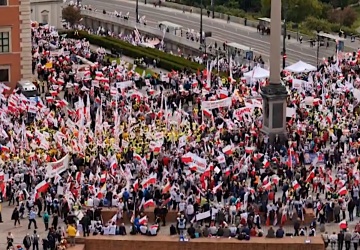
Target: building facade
x=47, y=12
x=15, y=41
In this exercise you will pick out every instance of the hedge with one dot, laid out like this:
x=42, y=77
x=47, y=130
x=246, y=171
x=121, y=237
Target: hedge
x=166, y=61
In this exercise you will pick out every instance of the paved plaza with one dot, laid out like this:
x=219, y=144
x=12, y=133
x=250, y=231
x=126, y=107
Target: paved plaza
x=20, y=232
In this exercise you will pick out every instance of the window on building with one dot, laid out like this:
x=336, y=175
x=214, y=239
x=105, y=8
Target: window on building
x=45, y=17
x=4, y=74
x=4, y=42
x=3, y=2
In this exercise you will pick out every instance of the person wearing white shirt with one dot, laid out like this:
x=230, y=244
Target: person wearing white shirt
x=143, y=229
x=232, y=211
x=190, y=211
x=182, y=206
x=333, y=240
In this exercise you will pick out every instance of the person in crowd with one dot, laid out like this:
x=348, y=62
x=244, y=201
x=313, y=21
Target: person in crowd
x=27, y=242
x=326, y=238
x=32, y=218
x=71, y=231
x=35, y=239
x=347, y=239
x=15, y=216
x=9, y=241
x=333, y=240
x=162, y=213
x=85, y=222
x=143, y=229
x=280, y=233
x=55, y=219
x=340, y=239
x=355, y=237
x=181, y=224
x=46, y=219
x=122, y=229
x=270, y=233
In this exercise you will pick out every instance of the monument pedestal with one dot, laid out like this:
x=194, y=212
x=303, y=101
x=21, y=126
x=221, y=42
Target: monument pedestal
x=274, y=111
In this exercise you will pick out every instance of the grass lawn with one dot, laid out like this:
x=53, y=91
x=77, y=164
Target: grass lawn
x=138, y=70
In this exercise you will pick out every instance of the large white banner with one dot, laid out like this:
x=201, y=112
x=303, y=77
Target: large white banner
x=125, y=84
x=216, y=104
x=57, y=167
x=200, y=162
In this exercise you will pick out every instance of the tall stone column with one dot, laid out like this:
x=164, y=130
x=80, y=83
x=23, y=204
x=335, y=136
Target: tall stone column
x=274, y=95
x=25, y=41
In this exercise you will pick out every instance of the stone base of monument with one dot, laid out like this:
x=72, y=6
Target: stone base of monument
x=274, y=111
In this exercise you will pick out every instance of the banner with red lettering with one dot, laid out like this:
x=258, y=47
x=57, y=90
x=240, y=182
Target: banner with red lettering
x=216, y=104
x=57, y=167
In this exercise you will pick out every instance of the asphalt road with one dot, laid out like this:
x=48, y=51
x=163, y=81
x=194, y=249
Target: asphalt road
x=221, y=30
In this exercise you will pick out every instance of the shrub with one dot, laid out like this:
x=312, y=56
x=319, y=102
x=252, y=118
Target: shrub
x=166, y=61
x=315, y=24
x=345, y=17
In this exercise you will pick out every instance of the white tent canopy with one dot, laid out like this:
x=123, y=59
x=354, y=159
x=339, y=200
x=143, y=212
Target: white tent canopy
x=257, y=73
x=301, y=67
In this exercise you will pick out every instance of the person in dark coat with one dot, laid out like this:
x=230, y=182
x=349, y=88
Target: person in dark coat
x=65, y=211
x=163, y=213
x=351, y=207
x=55, y=221
x=85, y=222
x=15, y=216
x=38, y=203
x=27, y=241
x=52, y=239
x=122, y=229
x=340, y=240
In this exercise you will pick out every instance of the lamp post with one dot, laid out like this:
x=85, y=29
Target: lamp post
x=217, y=59
x=284, y=39
x=213, y=9
x=137, y=11
x=201, y=38
x=317, y=48
x=284, y=46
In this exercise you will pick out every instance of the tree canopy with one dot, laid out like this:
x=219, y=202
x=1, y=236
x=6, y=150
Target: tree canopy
x=332, y=12
x=71, y=14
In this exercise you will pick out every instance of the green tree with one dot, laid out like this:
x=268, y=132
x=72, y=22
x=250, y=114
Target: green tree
x=71, y=14
x=295, y=10
x=339, y=3
x=315, y=24
x=326, y=7
x=346, y=16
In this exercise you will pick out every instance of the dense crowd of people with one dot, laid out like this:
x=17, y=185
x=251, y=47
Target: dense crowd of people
x=100, y=134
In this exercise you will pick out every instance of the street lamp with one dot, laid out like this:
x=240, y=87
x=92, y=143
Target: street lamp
x=318, y=47
x=213, y=9
x=201, y=22
x=284, y=38
x=137, y=11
